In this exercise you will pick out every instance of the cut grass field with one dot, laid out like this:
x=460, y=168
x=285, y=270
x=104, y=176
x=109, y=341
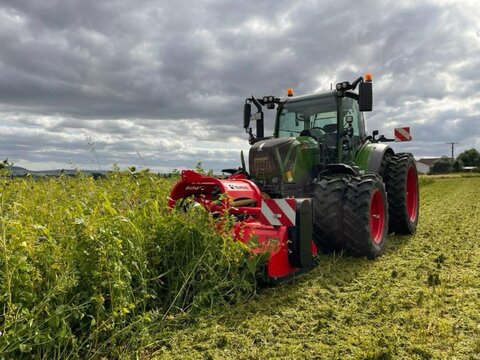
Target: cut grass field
x=420, y=300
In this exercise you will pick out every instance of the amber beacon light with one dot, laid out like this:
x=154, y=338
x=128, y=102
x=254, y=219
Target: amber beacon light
x=368, y=76
x=290, y=92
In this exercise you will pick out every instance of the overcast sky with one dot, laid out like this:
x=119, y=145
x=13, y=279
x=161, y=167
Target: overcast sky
x=161, y=84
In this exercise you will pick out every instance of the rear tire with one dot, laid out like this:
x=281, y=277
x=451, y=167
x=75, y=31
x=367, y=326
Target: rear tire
x=328, y=197
x=365, y=216
x=403, y=196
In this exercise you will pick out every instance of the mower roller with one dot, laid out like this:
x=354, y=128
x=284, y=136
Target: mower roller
x=319, y=183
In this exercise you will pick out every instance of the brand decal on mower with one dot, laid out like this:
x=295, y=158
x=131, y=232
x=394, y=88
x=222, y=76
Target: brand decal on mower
x=278, y=212
x=238, y=187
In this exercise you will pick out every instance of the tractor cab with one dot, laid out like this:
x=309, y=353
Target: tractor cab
x=312, y=132
x=318, y=116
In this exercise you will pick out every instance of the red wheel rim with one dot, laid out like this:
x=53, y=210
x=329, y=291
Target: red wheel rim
x=412, y=194
x=377, y=217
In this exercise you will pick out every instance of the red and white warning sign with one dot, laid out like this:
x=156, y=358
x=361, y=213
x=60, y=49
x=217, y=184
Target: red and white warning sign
x=278, y=212
x=402, y=134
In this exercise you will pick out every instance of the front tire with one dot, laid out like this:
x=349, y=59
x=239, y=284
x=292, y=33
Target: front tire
x=328, y=197
x=365, y=216
x=403, y=196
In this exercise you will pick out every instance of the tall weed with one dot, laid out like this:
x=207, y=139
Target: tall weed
x=88, y=268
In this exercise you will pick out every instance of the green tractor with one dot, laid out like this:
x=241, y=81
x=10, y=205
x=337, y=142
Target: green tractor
x=360, y=188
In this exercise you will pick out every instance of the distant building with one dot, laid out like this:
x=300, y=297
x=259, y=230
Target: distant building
x=424, y=165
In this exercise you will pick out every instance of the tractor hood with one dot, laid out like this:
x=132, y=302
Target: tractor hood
x=286, y=160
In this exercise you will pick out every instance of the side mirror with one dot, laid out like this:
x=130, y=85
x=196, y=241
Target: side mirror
x=365, y=96
x=247, y=114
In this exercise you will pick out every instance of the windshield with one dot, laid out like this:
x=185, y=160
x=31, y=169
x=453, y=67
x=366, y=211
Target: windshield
x=305, y=115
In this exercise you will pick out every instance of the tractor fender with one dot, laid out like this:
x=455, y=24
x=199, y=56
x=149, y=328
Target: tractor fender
x=370, y=156
x=332, y=169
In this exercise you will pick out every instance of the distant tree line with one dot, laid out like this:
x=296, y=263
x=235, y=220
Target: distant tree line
x=469, y=158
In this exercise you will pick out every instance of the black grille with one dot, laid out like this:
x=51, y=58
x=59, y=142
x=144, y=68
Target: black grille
x=263, y=158
x=263, y=163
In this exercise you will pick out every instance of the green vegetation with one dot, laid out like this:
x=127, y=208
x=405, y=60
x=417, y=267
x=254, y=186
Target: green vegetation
x=92, y=269
x=468, y=158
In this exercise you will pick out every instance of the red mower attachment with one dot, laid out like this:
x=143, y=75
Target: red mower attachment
x=282, y=227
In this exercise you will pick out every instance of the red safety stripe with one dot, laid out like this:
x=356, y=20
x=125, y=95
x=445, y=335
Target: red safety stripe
x=278, y=212
x=402, y=134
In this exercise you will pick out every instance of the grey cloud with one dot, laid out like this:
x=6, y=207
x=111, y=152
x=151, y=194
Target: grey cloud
x=157, y=76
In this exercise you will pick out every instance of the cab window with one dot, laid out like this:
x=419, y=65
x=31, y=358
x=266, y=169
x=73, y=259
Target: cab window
x=350, y=108
x=305, y=115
